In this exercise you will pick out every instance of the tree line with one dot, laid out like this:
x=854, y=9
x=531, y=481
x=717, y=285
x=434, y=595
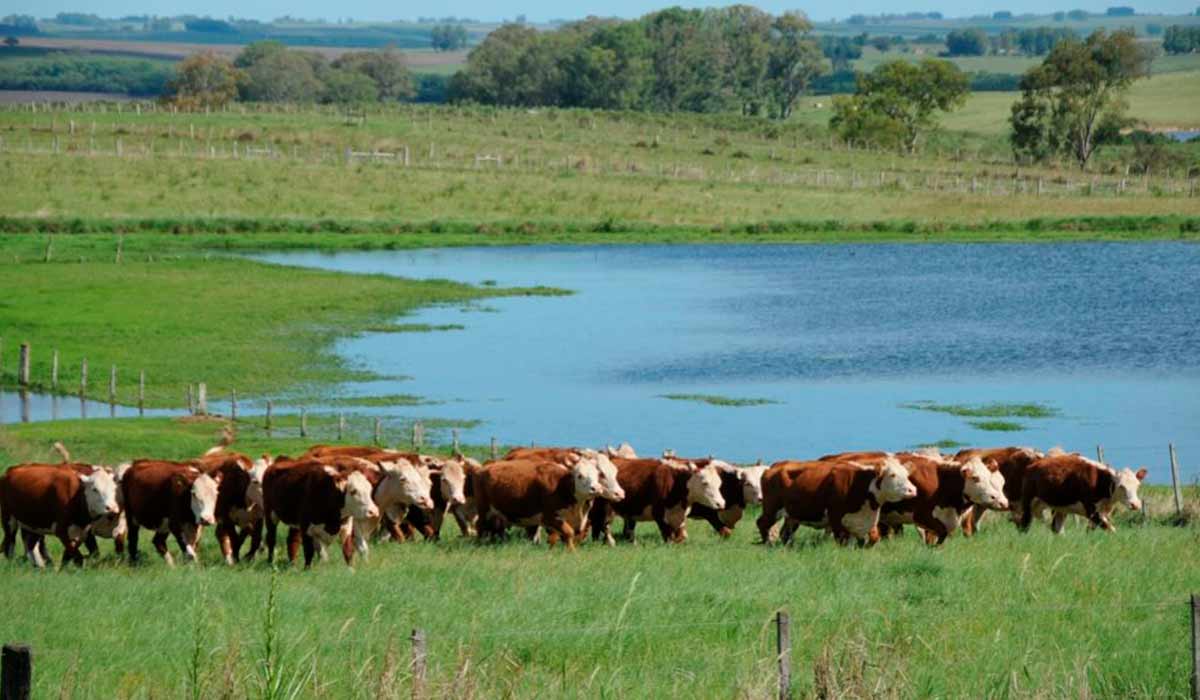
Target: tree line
x=1037, y=41
x=1179, y=39
x=735, y=58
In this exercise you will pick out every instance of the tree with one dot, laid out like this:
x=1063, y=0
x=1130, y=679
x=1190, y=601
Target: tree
x=348, y=87
x=967, y=42
x=386, y=70
x=11, y=41
x=1078, y=15
x=840, y=51
x=1120, y=11
x=283, y=76
x=795, y=61
x=203, y=80
x=746, y=44
x=498, y=71
x=899, y=101
x=1179, y=39
x=448, y=37
x=1074, y=100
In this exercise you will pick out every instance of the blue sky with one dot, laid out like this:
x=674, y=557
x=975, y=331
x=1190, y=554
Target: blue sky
x=539, y=10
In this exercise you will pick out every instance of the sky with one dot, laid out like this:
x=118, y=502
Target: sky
x=542, y=10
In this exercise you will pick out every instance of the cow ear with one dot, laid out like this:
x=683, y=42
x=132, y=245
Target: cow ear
x=879, y=469
x=179, y=482
x=1141, y=474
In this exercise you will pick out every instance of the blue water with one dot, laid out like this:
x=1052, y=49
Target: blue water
x=839, y=336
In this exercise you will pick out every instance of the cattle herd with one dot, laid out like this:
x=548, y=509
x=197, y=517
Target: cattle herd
x=350, y=495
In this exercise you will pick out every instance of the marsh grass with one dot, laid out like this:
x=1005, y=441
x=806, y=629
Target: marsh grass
x=998, y=426
x=716, y=400
x=990, y=410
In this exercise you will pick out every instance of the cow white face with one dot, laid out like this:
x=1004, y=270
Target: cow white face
x=358, y=503
x=704, y=487
x=586, y=474
x=752, y=483
x=100, y=493
x=204, y=499
x=454, y=483
x=1126, y=491
x=980, y=486
x=891, y=483
x=254, y=490
x=625, y=451
x=404, y=484
x=610, y=488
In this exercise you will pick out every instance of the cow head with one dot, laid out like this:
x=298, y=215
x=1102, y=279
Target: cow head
x=358, y=503
x=752, y=483
x=100, y=493
x=404, y=484
x=585, y=473
x=982, y=487
x=625, y=451
x=454, y=483
x=610, y=488
x=1125, y=492
x=204, y=499
x=891, y=482
x=254, y=490
x=704, y=487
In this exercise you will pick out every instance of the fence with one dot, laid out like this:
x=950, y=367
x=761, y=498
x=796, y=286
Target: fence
x=131, y=140
x=16, y=661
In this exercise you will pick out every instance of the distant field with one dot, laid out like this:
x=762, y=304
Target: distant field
x=1166, y=100
x=1014, y=64
x=912, y=28
x=27, y=96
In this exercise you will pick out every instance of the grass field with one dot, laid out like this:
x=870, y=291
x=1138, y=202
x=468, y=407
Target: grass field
x=263, y=330
x=1000, y=615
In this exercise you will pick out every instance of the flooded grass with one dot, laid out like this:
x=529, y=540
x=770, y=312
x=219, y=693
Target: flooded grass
x=998, y=426
x=413, y=327
x=990, y=410
x=716, y=400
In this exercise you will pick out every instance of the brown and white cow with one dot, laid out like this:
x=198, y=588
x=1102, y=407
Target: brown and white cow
x=239, y=500
x=170, y=498
x=740, y=487
x=658, y=490
x=318, y=502
x=530, y=493
x=453, y=493
x=844, y=497
x=1008, y=465
x=43, y=499
x=1073, y=484
x=945, y=493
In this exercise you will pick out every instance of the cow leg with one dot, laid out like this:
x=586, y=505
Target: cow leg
x=1097, y=518
x=464, y=523
x=134, y=533
x=1058, y=522
x=436, y=518
x=188, y=538
x=1026, y=516
x=766, y=523
x=293, y=544
x=45, y=552
x=160, y=545
x=225, y=539
x=32, y=549
x=533, y=533
x=970, y=520
x=9, y=537
x=270, y=525
x=256, y=532
x=119, y=543
x=664, y=528
x=71, y=553
x=349, y=545
x=237, y=537
x=309, y=547
x=713, y=518
x=89, y=541
x=788, y=531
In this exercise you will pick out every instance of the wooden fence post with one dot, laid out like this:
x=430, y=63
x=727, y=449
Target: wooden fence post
x=378, y=431
x=415, y=427
x=112, y=385
x=783, y=648
x=418, y=663
x=495, y=454
x=191, y=401
x=341, y=426
x=1175, y=480
x=23, y=366
x=16, y=672
x=233, y=404
x=1100, y=454
x=1195, y=647
x=454, y=439
x=142, y=392
x=83, y=378
x=202, y=399
x=270, y=407
x=54, y=371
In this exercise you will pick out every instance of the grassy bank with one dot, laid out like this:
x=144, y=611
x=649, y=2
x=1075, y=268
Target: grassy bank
x=1000, y=615
x=262, y=330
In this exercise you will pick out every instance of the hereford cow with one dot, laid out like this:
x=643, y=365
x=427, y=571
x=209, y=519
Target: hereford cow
x=843, y=497
x=740, y=487
x=610, y=487
x=531, y=493
x=1009, y=464
x=239, y=500
x=945, y=493
x=42, y=499
x=318, y=502
x=453, y=493
x=1070, y=483
x=663, y=491
x=170, y=498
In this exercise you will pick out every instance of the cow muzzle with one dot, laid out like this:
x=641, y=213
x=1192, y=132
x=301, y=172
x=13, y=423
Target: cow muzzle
x=113, y=510
x=208, y=520
x=425, y=504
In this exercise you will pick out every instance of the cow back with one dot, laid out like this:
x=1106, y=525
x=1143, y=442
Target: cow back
x=41, y=495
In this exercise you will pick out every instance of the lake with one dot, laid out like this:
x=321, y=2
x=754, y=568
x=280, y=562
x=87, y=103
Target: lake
x=841, y=339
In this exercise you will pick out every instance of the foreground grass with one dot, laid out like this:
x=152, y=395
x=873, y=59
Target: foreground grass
x=1000, y=615
x=262, y=330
